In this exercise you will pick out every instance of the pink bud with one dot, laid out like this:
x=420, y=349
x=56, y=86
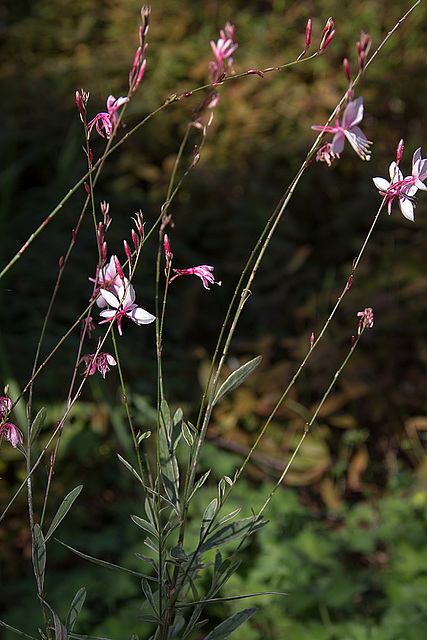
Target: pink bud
x=308, y=33
x=128, y=253
x=347, y=69
x=311, y=340
x=400, y=151
x=167, y=246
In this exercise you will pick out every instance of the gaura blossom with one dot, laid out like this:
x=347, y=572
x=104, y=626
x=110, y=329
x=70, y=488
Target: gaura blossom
x=11, y=433
x=353, y=114
x=404, y=188
x=100, y=362
x=109, y=279
x=366, y=319
x=107, y=120
x=203, y=271
x=223, y=50
x=123, y=304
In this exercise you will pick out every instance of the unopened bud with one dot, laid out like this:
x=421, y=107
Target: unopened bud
x=400, y=151
x=327, y=35
x=347, y=69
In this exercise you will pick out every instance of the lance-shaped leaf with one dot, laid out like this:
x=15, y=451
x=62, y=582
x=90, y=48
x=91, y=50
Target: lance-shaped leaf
x=37, y=424
x=198, y=484
x=75, y=608
x=208, y=516
x=64, y=508
x=168, y=465
x=60, y=630
x=39, y=553
x=226, y=628
x=130, y=468
x=232, y=531
x=236, y=378
x=104, y=563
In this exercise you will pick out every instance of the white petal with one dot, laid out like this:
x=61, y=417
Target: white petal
x=407, y=208
x=381, y=184
x=107, y=314
x=141, y=316
x=110, y=298
x=353, y=113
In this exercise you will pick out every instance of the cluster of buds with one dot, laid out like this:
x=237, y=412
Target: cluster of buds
x=8, y=430
x=139, y=63
x=363, y=45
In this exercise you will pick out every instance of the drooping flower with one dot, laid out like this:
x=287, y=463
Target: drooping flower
x=105, y=122
x=123, y=304
x=100, y=362
x=353, y=114
x=404, y=188
x=203, y=271
x=366, y=319
x=11, y=433
x=223, y=50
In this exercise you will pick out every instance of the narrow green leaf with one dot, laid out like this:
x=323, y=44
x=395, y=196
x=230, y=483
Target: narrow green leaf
x=144, y=524
x=37, y=424
x=39, y=553
x=60, y=631
x=130, y=468
x=198, y=484
x=149, y=560
x=17, y=631
x=168, y=464
x=75, y=608
x=149, y=596
x=222, y=486
x=64, y=508
x=231, y=532
x=176, y=431
x=228, y=517
x=187, y=434
x=236, y=378
x=208, y=516
x=102, y=563
x=143, y=436
x=226, y=628
x=217, y=564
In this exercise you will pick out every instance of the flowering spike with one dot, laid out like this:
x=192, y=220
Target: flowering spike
x=223, y=50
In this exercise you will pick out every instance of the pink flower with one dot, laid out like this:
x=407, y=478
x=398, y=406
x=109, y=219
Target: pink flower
x=366, y=319
x=404, y=188
x=100, y=362
x=5, y=406
x=203, y=271
x=123, y=304
x=11, y=433
x=107, y=120
x=223, y=50
x=353, y=114
x=110, y=280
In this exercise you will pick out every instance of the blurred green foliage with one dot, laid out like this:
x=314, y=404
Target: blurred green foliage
x=363, y=467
